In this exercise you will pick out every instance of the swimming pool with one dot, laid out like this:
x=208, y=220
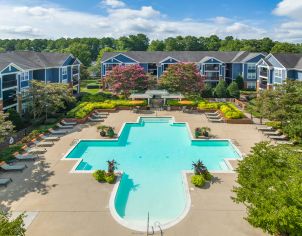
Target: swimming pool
x=152, y=154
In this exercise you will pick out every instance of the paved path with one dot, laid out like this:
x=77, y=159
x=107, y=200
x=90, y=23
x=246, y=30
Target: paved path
x=61, y=203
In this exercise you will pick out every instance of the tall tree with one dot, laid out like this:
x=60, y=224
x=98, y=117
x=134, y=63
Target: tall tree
x=285, y=48
x=221, y=89
x=183, y=78
x=270, y=186
x=156, y=45
x=125, y=79
x=80, y=51
x=6, y=126
x=11, y=227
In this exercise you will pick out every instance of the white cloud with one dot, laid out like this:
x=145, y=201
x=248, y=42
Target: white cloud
x=291, y=28
x=50, y=21
x=112, y=3
x=290, y=8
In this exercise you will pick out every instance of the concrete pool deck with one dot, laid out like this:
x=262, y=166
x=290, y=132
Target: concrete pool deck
x=62, y=203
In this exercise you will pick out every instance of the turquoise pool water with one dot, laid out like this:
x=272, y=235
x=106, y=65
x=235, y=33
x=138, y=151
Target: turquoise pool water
x=152, y=154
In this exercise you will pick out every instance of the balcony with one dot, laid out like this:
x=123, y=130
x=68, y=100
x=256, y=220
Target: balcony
x=9, y=83
x=263, y=86
x=211, y=67
x=264, y=73
x=75, y=82
x=211, y=78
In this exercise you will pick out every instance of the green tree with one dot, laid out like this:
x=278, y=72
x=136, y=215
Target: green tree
x=207, y=91
x=285, y=48
x=48, y=98
x=221, y=89
x=240, y=82
x=270, y=186
x=11, y=227
x=233, y=90
x=183, y=78
x=80, y=51
x=156, y=45
x=257, y=106
x=6, y=126
x=15, y=118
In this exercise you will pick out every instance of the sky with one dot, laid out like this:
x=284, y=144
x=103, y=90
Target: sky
x=278, y=19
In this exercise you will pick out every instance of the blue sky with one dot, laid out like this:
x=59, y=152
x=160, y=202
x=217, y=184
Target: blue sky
x=278, y=19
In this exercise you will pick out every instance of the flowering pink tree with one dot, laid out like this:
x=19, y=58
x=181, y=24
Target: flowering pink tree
x=184, y=78
x=124, y=79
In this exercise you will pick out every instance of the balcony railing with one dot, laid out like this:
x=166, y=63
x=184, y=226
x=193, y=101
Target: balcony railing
x=263, y=73
x=263, y=86
x=212, y=78
x=9, y=84
x=75, y=82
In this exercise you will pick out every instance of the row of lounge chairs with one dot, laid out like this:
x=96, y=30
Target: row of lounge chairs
x=274, y=134
x=214, y=117
x=98, y=116
x=39, y=147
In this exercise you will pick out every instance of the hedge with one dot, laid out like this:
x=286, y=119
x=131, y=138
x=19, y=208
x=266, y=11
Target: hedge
x=181, y=103
x=93, y=86
x=85, y=108
x=229, y=110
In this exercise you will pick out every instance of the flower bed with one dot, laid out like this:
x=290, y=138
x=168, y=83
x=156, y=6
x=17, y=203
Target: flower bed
x=181, y=103
x=229, y=110
x=84, y=109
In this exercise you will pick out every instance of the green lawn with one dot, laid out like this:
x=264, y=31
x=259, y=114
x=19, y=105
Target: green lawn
x=83, y=85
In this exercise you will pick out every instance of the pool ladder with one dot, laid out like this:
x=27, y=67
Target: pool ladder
x=156, y=225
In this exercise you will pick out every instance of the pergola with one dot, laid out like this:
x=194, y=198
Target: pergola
x=163, y=94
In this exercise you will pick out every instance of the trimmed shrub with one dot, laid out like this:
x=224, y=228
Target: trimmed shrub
x=16, y=119
x=221, y=89
x=93, y=86
x=110, y=178
x=233, y=90
x=198, y=180
x=208, y=176
x=207, y=92
x=229, y=110
x=99, y=175
x=240, y=82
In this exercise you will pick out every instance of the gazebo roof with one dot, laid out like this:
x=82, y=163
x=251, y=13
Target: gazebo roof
x=173, y=96
x=157, y=92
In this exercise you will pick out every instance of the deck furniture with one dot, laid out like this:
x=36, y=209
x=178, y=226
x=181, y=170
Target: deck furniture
x=95, y=119
x=5, y=181
x=272, y=133
x=213, y=116
x=265, y=128
x=284, y=142
x=58, y=131
x=64, y=126
x=95, y=115
x=102, y=113
x=27, y=157
x=216, y=120
x=50, y=138
x=280, y=137
x=16, y=167
x=212, y=113
x=36, y=151
x=63, y=122
x=45, y=144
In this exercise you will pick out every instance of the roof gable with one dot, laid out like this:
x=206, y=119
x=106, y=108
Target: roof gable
x=169, y=60
x=112, y=61
x=210, y=60
x=11, y=68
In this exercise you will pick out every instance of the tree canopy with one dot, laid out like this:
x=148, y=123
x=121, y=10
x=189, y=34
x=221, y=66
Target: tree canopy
x=270, y=186
x=125, y=79
x=6, y=126
x=11, y=227
x=183, y=78
x=87, y=49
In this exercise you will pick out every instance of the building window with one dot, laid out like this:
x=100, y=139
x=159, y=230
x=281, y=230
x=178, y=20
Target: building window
x=212, y=67
x=251, y=75
x=24, y=76
x=64, y=71
x=109, y=67
x=251, y=66
x=278, y=73
x=251, y=85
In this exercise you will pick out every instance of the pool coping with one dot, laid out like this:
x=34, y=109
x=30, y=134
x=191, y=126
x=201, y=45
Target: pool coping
x=186, y=210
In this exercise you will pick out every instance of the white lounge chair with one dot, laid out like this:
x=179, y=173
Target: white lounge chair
x=281, y=137
x=272, y=133
x=265, y=128
x=284, y=143
x=36, y=151
x=58, y=131
x=68, y=122
x=16, y=167
x=102, y=113
x=44, y=144
x=99, y=116
x=50, y=138
x=95, y=119
x=212, y=113
x=64, y=126
x=27, y=157
x=5, y=181
x=213, y=116
x=216, y=120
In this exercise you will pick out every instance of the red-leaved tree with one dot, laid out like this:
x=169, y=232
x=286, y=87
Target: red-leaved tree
x=124, y=79
x=182, y=77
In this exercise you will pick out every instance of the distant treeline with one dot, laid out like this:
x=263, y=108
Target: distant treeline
x=89, y=49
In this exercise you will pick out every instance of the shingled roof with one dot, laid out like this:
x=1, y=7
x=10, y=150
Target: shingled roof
x=183, y=56
x=32, y=60
x=290, y=60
